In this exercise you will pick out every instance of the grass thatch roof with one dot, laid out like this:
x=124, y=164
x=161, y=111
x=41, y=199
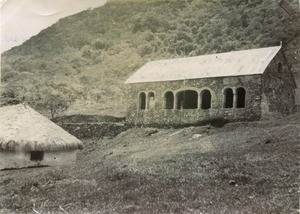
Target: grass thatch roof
x=23, y=129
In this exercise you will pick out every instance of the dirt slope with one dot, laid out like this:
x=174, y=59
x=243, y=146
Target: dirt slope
x=240, y=168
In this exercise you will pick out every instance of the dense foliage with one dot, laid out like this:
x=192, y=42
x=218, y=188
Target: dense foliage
x=88, y=56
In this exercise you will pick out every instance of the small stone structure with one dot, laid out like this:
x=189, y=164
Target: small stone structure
x=29, y=139
x=238, y=85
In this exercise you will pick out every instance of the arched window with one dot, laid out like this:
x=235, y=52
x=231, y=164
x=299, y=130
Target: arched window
x=205, y=99
x=228, y=98
x=142, y=100
x=241, y=97
x=169, y=100
x=187, y=99
x=151, y=100
x=279, y=67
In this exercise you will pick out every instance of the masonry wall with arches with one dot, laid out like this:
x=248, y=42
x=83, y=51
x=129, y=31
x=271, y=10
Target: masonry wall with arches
x=195, y=101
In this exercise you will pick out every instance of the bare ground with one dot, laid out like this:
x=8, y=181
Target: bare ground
x=245, y=167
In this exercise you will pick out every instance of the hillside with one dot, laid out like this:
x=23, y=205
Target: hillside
x=239, y=168
x=79, y=64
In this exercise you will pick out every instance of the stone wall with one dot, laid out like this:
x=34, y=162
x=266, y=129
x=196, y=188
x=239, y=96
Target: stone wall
x=94, y=130
x=297, y=90
x=278, y=88
x=292, y=53
x=159, y=116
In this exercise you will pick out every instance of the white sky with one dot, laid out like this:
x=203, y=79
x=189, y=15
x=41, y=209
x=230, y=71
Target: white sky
x=22, y=19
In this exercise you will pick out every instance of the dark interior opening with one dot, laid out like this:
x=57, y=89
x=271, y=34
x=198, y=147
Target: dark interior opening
x=228, y=98
x=206, y=99
x=187, y=99
x=169, y=100
x=142, y=100
x=36, y=155
x=241, y=96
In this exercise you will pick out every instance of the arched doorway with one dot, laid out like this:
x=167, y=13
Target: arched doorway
x=205, y=99
x=241, y=97
x=151, y=100
x=228, y=98
x=169, y=100
x=142, y=100
x=187, y=99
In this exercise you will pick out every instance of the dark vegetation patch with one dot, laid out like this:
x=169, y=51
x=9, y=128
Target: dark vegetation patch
x=9, y=101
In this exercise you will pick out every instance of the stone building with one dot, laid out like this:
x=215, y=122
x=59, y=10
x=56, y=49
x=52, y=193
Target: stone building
x=238, y=85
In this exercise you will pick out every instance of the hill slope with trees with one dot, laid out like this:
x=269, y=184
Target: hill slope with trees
x=80, y=63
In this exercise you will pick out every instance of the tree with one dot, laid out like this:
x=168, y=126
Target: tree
x=55, y=103
x=54, y=100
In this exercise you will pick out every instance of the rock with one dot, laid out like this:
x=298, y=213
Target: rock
x=7, y=181
x=35, y=184
x=232, y=182
x=150, y=131
x=267, y=141
x=196, y=136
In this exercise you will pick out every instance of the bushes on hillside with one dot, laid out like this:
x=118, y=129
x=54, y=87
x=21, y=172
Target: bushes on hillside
x=107, y=44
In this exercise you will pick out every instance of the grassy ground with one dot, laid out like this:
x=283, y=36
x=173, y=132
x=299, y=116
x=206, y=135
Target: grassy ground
x=239, y=168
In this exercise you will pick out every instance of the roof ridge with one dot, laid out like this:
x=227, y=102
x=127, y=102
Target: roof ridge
x=234, y=63
x=213, y=54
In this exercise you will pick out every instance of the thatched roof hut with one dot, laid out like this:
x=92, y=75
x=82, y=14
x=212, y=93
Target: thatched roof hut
x=23, y=129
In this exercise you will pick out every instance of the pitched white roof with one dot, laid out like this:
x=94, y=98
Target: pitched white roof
x=235, y=63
